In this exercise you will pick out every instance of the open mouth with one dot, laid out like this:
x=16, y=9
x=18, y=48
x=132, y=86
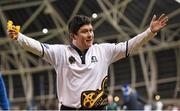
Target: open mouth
x=88, y=40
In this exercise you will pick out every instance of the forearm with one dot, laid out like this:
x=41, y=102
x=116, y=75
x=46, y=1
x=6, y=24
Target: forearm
x=139, y=40
x=30, y=44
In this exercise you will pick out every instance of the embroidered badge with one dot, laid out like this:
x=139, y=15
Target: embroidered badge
x=93, y=59
x=72, y=60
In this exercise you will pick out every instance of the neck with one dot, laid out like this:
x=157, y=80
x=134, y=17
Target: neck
x=82, y=49
x=79, y=48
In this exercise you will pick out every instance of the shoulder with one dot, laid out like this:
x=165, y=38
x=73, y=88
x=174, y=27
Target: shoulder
x=104, y=45
x=54, y=46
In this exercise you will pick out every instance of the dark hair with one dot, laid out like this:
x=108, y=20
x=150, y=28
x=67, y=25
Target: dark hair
x=77, y=22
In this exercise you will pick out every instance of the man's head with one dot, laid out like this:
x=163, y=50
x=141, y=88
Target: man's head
x=77, y=22
x=81, y=32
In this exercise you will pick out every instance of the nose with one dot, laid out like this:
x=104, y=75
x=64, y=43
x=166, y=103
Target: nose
x=90, y=34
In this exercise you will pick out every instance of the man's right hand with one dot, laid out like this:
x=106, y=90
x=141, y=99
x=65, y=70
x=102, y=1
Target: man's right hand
x=12, y=30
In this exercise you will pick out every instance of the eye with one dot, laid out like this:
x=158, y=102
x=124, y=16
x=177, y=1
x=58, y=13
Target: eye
x=84, y=31
x=91, y=30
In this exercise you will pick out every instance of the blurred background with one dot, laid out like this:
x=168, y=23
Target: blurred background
x=153, y=71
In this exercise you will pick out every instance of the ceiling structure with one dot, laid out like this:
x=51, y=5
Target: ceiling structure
x=117, y=20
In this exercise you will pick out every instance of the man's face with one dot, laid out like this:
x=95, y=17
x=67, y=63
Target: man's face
x=84, y=37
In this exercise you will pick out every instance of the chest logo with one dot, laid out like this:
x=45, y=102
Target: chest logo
x=72, y=60
x=93, y=59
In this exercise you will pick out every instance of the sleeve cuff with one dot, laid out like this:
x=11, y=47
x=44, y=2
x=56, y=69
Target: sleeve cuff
x=20, y=35
x=151, y=33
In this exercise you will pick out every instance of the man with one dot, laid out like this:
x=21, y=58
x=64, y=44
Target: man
x=4, y=103
x=82, y=67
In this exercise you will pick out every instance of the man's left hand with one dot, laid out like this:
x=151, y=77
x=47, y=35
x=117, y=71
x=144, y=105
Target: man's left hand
x=157, y=24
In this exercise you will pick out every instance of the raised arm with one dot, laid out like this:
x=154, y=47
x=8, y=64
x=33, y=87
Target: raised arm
x=123, y=49
x=27, y=43
x=155, y=26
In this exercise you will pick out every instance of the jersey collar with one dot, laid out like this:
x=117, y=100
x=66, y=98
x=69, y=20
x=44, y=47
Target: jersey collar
x=81, y=54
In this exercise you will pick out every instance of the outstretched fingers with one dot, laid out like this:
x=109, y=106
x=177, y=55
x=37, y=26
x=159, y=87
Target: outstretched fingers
x=161, y=17
x=154, y=18
x=164, y=20
x=163, y=25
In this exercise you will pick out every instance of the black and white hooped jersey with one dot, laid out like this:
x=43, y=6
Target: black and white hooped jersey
x=81, y=75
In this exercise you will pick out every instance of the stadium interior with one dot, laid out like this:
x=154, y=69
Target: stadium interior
x=152, y=70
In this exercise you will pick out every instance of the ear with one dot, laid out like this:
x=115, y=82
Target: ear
x=73, y=36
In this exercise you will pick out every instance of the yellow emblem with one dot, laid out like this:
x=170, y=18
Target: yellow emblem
x=93, y=99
